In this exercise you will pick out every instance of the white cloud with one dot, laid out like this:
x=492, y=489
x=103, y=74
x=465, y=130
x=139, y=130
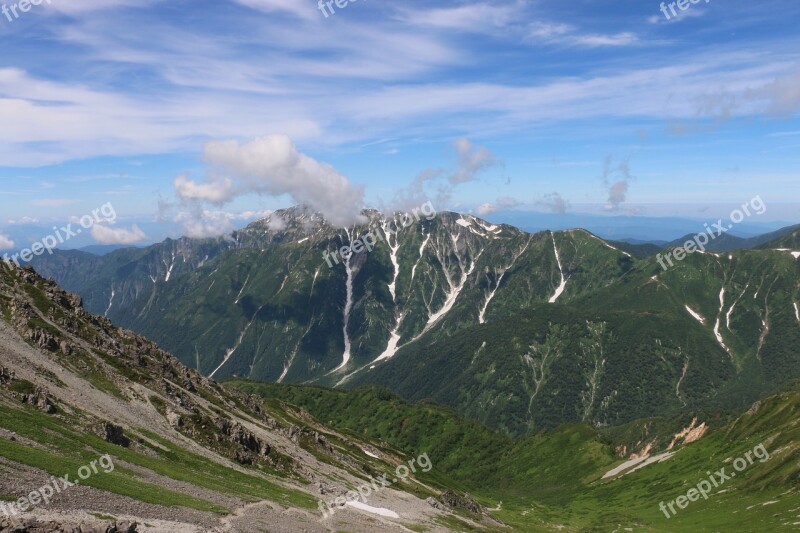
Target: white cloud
x=203, y=224
x=618, y=186
x=304, y=10
x=338, y=87
x=501, y=204
x=108, y=235
x=558, y=33
x=555, y=202
x=81, y=7
x=6, y=243
x=23, y=220
x=478, y=16
x=53, y=202
x=486, y=209
x=273, y=166
x=472, y=159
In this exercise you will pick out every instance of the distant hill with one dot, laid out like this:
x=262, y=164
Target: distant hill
x=788, y=240
x=728, y=242
x=103, y=249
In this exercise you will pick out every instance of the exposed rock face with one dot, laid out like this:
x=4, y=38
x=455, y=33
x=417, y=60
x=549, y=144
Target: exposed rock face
x=454, y=501
x=115, y=435
x=238, y=434
x=6, y=375
x=39, y=397
x=689, y=434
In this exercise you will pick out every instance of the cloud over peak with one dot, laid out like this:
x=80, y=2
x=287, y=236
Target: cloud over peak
x=273, y=166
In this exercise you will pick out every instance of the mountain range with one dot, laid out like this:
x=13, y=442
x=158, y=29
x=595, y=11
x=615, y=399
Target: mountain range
x=187, y=454
x=520, y=331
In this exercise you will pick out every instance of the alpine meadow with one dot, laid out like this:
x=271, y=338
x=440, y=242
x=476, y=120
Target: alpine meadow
x=446, y=266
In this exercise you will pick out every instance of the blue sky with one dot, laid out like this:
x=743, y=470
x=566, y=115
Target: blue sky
x=205, y=114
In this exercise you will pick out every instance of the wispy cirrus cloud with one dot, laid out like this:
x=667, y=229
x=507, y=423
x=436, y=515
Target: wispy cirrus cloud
x=53, y=202
x=473, y=17
x=566, y=34
x=303, y=10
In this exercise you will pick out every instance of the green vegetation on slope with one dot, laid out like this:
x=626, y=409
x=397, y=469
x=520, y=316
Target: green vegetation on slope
x=555, y=478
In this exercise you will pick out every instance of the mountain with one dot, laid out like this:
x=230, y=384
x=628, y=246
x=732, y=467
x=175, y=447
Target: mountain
x=521, y=331
x=640, y=250
x=575, y=478
x=103, y=249
x=727, y=242
x=786, y=241
x=631, y=228
x=129, y=439
x=153, y=443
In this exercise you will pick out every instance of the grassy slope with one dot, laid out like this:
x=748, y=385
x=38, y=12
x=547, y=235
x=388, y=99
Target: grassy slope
x=554, y=478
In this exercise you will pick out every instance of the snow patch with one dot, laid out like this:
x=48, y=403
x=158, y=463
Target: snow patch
x=606, y=244
x=482, y=313
x=348, y=306
x=696, y=315
x=560, y=288
x=394, y=340
x=421, y=250
x=455, y=288
x=730, y=311
x=229, y=353
x=624, y=466
x=171, y=266
x=244, y=285
x=717, y=334
x=650, y=460
x=374, y=510
x=111, y=301
x=393, y=256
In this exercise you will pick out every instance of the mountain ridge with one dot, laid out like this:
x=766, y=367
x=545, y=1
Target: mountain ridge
x=264, y=304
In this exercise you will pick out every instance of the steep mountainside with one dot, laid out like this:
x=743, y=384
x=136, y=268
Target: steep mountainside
x=264, y=303
x=566, y=479
x=179, y=452
x=713, y=331
x=522, y=331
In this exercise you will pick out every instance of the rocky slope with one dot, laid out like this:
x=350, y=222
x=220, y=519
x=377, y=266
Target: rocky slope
x=187, y=454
